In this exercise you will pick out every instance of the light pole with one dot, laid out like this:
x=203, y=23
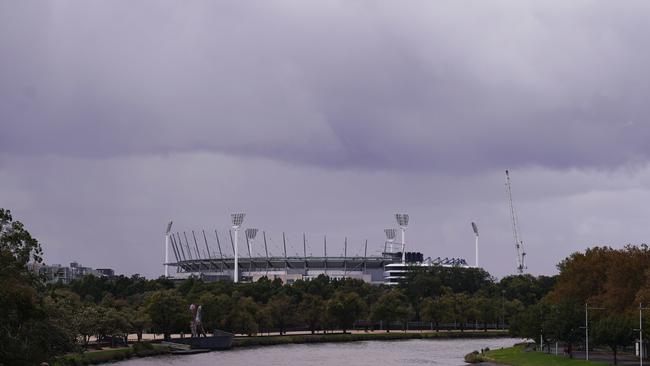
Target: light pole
x=641, y=308
x=475, y=228
x=237, y=220
x=390, y=239
x=403, y=222
x=587, y=307
x=503, y=309
x=250, y=236
x=169, y=228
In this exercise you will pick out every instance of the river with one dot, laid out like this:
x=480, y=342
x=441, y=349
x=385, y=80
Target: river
x=385, y=353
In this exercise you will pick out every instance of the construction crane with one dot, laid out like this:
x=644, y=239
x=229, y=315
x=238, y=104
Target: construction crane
x=519, y=244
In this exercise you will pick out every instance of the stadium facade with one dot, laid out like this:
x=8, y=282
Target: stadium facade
x=198, y=258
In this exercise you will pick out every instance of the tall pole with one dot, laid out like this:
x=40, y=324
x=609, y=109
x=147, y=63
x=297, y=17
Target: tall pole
x=403, y=245
x=476, y=249
x=586, y=332
x=641, y=308
x=236, y=273
x=166, y=255
x=169, y=228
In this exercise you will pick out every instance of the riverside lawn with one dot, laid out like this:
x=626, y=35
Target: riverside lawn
x=515, y=356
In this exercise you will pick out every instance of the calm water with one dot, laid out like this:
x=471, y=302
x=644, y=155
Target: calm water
x=410, y=352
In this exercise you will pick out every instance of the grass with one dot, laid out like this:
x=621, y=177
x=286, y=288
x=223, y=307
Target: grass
x=515, y=356
x=355, y=337
x=109, y=355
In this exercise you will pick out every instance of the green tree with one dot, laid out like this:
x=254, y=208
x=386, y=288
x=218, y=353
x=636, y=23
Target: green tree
x=281, y=311
x=87, y=322
x=435, y=310
x=168, y=311
x=242, y=316
x=391, y=306
x=487, y=310
x=344, y=308
x=531, y=322
x=311, y=310
x=138, y=319
x=614, y=331
x=462, y=308
x=112, y=323
x=564, y=322
x=216, y=310
x=30, y=331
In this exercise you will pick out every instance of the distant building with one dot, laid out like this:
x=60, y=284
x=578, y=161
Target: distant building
x=106, y=272
x=57, y=273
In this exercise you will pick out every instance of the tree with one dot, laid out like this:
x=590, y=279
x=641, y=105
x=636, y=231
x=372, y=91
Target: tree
x=281, y=311
x=242, y=316
x=87, y=322
x=112, y=323
x=531, y=322
x=138, y=319
x=486, y=310
x=216, y=310
x=435, y=310
x=311, y=310
x=462, y=308
x=391, y=306
x=564, y=323
x=344, y=308
x=614, y=331
x=168, y=311
x=30, y=330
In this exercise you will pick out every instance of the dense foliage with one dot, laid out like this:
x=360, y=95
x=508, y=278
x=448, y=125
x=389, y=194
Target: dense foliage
x=612, y=283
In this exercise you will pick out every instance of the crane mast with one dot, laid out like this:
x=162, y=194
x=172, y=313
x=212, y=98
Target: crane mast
x=519, y=244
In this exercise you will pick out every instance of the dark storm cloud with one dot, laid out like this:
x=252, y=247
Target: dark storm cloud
x=379, y=85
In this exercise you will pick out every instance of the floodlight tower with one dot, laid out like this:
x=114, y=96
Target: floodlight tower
x=390, y=238
x=475, y=228
x=169, y=228
x=250, y=236
x=237, y=220
x=403, y=222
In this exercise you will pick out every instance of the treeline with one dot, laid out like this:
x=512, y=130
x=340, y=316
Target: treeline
x=39, y=322
x=611, y=284
x=112, y=307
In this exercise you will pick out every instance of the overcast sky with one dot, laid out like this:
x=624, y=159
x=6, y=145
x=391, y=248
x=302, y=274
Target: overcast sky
x=325, y=117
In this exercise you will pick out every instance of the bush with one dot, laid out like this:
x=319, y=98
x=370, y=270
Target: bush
x=142, y=347
x=474, y=357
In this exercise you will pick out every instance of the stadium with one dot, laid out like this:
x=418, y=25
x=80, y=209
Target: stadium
x=198, y=258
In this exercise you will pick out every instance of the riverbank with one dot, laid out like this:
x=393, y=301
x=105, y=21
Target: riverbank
x=109, y=355
x=516, y=356
x=356, y=337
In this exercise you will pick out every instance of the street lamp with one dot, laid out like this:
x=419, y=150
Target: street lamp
x=237, y=220
x=641, y=308
x=169, y=229
x=475, y=228
x=403, y=222
x=587, y=307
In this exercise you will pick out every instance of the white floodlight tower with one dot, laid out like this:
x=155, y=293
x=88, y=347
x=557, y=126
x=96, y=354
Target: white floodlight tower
x=169, y=228
x=403, y=222
x=237, y=220
x=475, y=228
x=390, y=237
x=250, y=236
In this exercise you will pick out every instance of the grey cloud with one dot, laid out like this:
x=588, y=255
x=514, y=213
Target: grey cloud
x=443, y=86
